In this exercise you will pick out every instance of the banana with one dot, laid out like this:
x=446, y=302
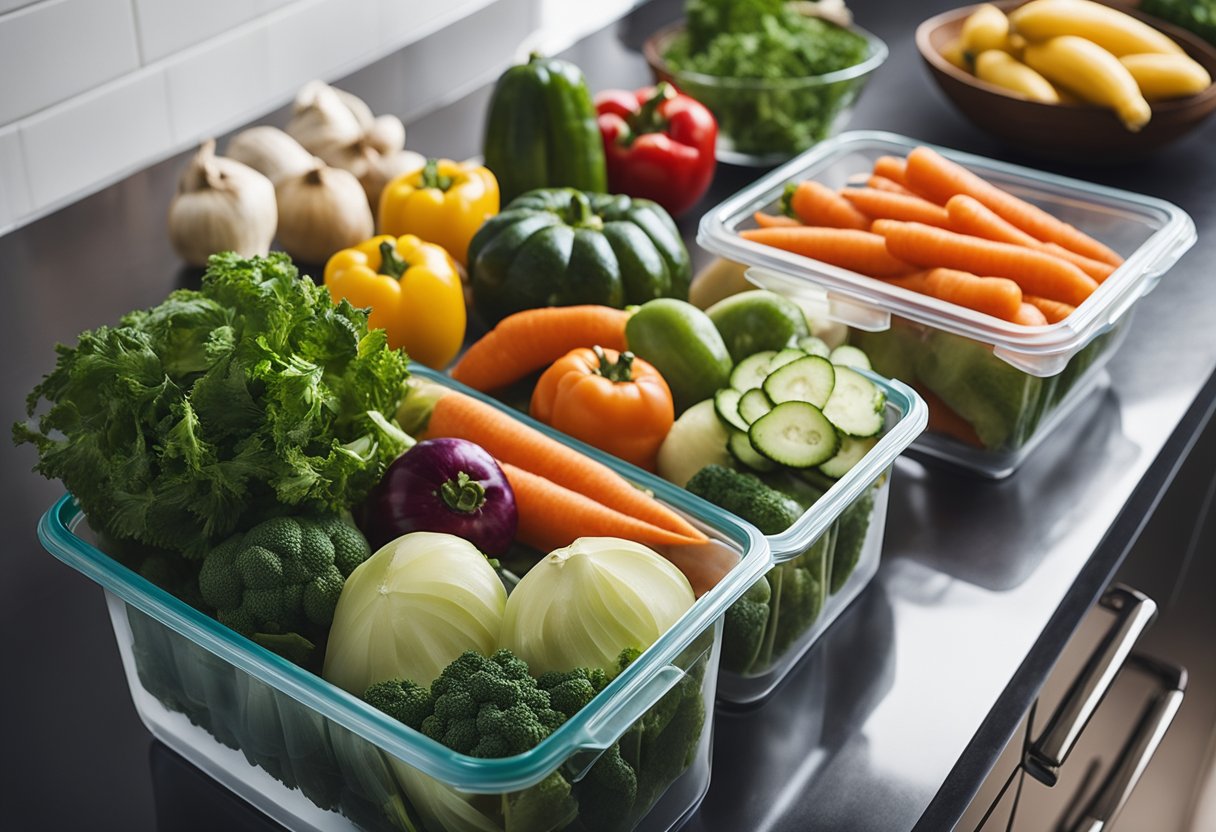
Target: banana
x=953, y=52
x=985, y=28
x=1093, y=74
x=1114, y=31
x=1166, y=76
x=1002, y=70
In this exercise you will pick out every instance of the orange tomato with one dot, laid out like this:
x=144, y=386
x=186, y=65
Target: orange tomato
x=613, y=401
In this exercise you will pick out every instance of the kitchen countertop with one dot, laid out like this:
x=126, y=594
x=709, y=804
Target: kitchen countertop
x=890, y=723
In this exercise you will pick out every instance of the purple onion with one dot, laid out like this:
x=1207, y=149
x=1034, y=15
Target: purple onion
x=444, y=485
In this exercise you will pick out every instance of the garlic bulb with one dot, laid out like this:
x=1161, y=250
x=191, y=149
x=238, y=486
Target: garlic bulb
x=386, y=169
x=270, y=151
x=358, y=108
x=322, y=120
x=221, y=205
x=320, y=212
x=387, y=134
x=358, y=157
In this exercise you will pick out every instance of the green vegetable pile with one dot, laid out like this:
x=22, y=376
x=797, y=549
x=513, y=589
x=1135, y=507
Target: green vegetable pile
x=770, y=41
x=1197, y=15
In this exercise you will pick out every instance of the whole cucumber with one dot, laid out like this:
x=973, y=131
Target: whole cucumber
x=683, y=343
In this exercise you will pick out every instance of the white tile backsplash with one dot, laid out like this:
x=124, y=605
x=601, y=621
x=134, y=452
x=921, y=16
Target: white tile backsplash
x=317, y=38
x=219, y=84
x=51, y=51
x=14, y=190
x=168, y=26
x=94, y=137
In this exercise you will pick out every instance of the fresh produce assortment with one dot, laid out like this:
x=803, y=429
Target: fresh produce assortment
x=936, y=228
x=1058, y=51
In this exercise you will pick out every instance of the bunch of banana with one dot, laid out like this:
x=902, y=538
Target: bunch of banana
x=1062, y=50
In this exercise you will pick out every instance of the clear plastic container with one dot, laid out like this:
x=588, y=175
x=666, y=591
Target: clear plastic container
x=313, y=757
x=953, y=355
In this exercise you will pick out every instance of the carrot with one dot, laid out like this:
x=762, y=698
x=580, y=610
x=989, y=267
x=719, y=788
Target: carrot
x=816, y=204
x=1029, y=315
x=533, y=339
x=1036, y=272
x=996, y=296
x=1052, y=310
x=507, y=440
x=551, y=516
x=878, y=204
x=914, y=282
x=848, y=248
x=970, y=216
x=774, y=220
x=936, y=178
x=882, y=183
x=892, y=168
x=943, y=419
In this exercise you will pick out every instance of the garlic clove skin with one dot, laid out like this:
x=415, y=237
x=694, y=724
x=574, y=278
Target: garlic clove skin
x=321, y=120
x=270, y=151
x=321, y=212
x=386, y=169
x=358, y=108
x=387, y=134
x=221, y=205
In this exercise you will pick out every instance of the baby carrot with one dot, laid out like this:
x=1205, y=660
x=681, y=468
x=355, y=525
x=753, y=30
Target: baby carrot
x=551, y=516
x=816, y=204
x=848, y=248
x=882, y=183
x=878, y=204
x=937, y=178
x=914, y=282
x=942, y=419
x=533, y=339
x=1029, y=315
x=996, y=296
x=774, y=220
x=1037, y=273
x=1052, y=310
x=892, y=168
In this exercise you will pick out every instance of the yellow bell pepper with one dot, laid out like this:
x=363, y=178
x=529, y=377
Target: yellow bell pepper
x=413, y=289
x=443, y=203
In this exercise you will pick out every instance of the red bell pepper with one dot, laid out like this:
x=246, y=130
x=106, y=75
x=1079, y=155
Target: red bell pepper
x=659, y=144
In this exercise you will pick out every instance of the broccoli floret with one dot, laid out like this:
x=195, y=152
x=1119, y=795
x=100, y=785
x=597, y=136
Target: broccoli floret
x=767, y=509
x=547, y=805
x=743, y=627
x=282, y=576
x=607, y=793
x=800, y=603
x=403, y=700
x=851, y=531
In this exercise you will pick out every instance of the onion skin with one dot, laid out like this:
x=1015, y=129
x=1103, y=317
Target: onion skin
x=423, y=491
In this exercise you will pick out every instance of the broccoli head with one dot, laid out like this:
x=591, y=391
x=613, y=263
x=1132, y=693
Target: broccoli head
x=769, y=510
x=743, y=627
x=282, y=576
x=851, y=531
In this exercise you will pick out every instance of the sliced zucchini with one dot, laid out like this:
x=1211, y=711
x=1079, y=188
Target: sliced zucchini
x=750, y=372
x=740, y=447
x=796, y=434
x=851, y=452
x=785, y=356
x=850, y=356
x=808, y=379
x=814, y=346
x=856, y=404
x=754, y=404
x=726, y=405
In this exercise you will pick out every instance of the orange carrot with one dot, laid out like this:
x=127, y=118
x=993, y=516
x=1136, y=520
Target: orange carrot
x=936, y=178
x=882, y=183
x=1037, y=273
x=507, y=440
x=551, y=516
x=533, y=339
x=848, y=248
x=996, y=296
x=878, y=204
x=1052, y=310
x=943, y=419
x=774, y=220
x=1029, y=315
x=892, y=168
x=970, y=216
x=816, y=204
x=914, y=282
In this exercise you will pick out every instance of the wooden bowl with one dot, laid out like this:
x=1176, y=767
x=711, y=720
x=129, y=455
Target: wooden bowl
x=1072, y=132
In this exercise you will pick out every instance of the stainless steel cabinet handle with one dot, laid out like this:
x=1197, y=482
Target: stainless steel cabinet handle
x=1135, y=755
x=1133, y=612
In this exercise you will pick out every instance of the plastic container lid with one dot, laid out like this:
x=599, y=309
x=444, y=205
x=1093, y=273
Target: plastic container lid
x=1150, y=233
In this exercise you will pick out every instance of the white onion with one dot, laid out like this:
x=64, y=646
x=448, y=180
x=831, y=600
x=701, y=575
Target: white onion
x=411, y=609
x=584, y=604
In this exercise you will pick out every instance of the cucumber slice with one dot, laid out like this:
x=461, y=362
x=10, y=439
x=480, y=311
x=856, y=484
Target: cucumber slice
x=740, y=447
x=851, y=452
x=796, y=434
x=785, y=356
x=726, y=405
x=856, y=404
x=808, y=379
x=751, y=371
x=814, y=346
x=849, y=356
x=754, y=404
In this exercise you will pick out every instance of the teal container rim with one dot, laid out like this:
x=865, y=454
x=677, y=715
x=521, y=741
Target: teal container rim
x=594, y=728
